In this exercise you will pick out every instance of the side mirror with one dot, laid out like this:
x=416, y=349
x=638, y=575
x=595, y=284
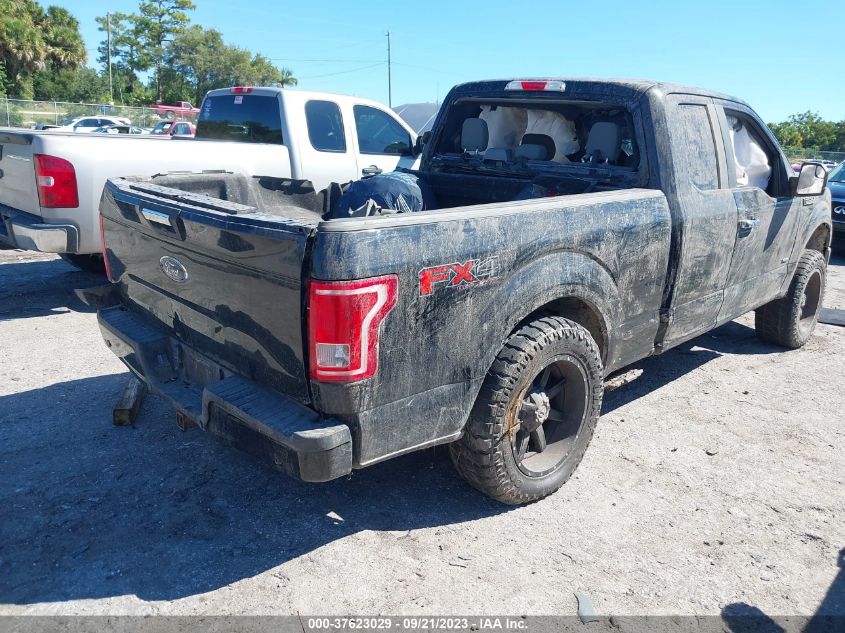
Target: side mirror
x=810, y=181
x=422, y=140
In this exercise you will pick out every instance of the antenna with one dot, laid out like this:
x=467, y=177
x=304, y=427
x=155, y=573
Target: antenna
x=389, y=86
x=108, y=45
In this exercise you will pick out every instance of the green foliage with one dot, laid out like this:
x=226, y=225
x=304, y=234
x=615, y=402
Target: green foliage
x=198, y=61
x=83, y=85
x=32, y=39
x=186, y=61
x=808, y=131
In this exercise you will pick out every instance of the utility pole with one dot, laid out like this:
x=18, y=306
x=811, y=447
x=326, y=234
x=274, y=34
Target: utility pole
x=389, y=87
x=108, y=46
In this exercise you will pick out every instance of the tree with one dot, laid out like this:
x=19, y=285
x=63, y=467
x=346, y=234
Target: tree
x=199, y=60
x=31, y=39
x=809, y=131
x=140, y=41
x=84, y=85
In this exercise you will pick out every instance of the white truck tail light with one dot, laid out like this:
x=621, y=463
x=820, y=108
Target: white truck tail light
x=344, y=321
x=518, y=84
x=56, y=181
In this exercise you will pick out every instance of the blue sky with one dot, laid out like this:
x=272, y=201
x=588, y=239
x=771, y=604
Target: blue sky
x=779, y=56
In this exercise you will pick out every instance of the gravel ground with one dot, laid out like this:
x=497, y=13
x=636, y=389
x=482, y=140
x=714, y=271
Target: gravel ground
x=713, y=484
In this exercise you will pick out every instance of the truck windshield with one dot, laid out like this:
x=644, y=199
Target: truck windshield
x=243, y=118
x=525, y=135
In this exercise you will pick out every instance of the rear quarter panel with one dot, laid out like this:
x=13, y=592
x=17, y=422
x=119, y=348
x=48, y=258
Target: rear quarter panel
x=608, y=249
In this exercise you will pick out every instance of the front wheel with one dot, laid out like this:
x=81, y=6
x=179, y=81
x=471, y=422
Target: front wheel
x=790, y=321
x=535, y=414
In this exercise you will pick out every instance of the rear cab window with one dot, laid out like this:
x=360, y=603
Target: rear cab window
x=245, y=118
x=528, y=137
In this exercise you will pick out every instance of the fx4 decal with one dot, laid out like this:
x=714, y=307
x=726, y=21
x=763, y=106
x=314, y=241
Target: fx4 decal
x=471, y=273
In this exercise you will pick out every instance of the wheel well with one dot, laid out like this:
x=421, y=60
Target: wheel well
x=580, y=312
x=820, y=239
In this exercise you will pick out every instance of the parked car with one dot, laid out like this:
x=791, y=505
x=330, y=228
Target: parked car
x=317, y=136
x=121, y=129
x=174, y=128
x=836, y=183
x=182, y=109
x=545, y=260
x=90, y=123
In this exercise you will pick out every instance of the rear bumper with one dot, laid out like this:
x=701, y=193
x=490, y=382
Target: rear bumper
x=290, y=436
x=29, y=232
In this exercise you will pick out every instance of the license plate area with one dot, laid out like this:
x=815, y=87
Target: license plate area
x=197, y=369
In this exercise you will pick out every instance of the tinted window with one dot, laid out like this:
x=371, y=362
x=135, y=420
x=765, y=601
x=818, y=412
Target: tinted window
x=379, y=133
x=325, y=126
x=243, y=118
x=697, y=163
x=89, y=123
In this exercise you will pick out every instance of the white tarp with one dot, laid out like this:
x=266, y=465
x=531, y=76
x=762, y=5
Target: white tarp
x=752, y=164
x=558, y=127
x=506, y=126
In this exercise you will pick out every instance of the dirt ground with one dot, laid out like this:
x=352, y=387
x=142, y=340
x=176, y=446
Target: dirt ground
x=714, y=484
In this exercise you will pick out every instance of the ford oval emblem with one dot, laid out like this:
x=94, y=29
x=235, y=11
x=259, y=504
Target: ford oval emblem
x=173, y=268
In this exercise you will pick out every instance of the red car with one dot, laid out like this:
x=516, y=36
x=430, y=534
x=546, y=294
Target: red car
x=170, y=111
x=174, y=128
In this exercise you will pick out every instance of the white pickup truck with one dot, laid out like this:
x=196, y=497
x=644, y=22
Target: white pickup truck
x=51, y=182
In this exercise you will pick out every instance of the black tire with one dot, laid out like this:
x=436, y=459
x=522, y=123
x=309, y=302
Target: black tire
x=790, y=321
x=88, y=263
x=523, y=389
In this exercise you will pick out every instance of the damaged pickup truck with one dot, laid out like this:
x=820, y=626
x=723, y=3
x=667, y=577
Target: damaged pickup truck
x=556, y=231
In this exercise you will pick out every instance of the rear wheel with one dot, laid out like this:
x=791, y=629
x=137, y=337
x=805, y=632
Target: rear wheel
x=535, y=414
x=170, y=115
x=790, y=321
x=89, y=263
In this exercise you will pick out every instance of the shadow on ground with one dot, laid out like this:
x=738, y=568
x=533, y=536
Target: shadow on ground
x=741, y=617
x=41, y=288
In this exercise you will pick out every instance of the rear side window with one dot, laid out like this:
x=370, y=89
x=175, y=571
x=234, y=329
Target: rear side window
x=697, y=163
x=380, y=133
x=243, y=118
x=325, y=126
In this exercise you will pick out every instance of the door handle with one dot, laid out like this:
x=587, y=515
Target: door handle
x=746, y=225
x=372, y=170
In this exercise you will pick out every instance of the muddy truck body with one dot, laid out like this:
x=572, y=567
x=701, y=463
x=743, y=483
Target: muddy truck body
x=579, y=226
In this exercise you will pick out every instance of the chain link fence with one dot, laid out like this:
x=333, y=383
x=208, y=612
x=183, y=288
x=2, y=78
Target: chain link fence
x=29, y=114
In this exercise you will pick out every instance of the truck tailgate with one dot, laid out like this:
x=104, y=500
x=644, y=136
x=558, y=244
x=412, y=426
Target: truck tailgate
x=17, y=172
x=197, y=265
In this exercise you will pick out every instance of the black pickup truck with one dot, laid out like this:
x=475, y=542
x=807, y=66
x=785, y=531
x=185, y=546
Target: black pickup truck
x=579, y=225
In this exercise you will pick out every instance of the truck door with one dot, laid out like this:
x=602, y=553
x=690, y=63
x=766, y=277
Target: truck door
x=382, y=142
x=767, y=216
x=705, y=217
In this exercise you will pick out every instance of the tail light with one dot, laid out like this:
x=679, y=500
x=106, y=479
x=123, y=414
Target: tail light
x=344, y=319
x=56, y=181
x=241, y=90
x=103, y=245
x=553, y=85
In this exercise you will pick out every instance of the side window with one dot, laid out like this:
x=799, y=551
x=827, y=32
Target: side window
x=696, y=148
x=379, y=133
x=749, y=153
x=89, y=123
x=325, y=126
